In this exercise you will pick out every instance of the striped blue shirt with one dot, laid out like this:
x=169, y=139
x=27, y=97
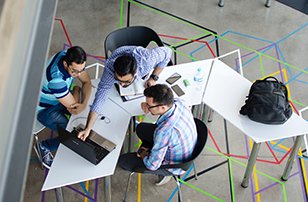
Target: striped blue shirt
x=56, y=82
x=174, y=138
x=147, y=60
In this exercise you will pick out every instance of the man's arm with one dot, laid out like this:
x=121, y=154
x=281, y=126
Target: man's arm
x=157, y=58
x=90, y=122
x=86, y=93
x=103, y=89
x=154, y=159
x=68, y=101
x=151, y=81
x=104, y=86
x=86, y=87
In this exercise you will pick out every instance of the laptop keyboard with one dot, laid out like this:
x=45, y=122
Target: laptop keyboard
x=99, y=151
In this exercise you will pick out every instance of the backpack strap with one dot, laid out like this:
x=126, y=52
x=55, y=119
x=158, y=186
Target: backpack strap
x=281, y=84
x=270, y=77
x=286, y=90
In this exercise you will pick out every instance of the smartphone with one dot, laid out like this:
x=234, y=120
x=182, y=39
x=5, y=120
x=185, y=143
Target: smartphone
x=177, y=90
x=173, y=78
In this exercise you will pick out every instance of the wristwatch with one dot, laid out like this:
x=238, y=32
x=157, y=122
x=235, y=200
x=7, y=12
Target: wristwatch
x=154, y=77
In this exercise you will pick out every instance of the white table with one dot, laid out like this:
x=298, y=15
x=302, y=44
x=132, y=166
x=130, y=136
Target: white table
x=226, y=93
x=70, y=168
x=193, y=92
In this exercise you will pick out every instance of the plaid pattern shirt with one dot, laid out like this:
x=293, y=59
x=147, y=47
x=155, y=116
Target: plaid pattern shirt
x=174, y=138
x=147, y=60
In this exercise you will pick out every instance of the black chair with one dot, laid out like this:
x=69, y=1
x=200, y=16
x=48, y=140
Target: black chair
x=201, y=141
x=134, y=36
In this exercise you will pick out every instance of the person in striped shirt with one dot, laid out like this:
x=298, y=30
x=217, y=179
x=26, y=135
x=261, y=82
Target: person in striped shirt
x=58, y=99
x=170, y=140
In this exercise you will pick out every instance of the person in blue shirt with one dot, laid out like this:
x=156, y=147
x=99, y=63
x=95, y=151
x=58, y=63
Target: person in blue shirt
x=170, y=140
x=59, y=98
x=126, y=65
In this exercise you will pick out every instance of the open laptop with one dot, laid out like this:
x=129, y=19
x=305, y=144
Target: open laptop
x=95, y=148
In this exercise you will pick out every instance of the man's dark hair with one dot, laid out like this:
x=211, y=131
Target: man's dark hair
x=160, y=93
x=75, y=54
x=125, y=64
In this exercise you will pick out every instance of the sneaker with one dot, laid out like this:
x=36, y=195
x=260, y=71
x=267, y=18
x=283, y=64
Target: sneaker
x=162, y=180
x=44, y=155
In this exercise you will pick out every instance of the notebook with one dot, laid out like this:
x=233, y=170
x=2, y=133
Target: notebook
x=95, y=148
x=127, y=98
x=136, y=88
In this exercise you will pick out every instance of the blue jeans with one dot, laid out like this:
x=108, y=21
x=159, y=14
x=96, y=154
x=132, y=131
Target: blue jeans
x=51, y=118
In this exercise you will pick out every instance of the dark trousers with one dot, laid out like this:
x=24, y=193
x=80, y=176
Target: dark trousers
x=145, y=132
x=51, y=118
x=131, y=162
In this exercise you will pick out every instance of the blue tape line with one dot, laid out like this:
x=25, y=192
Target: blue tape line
x=294, y=78
x=176, y=189
x=85, y=190
x=295, y=31
x=253, y=58
x=284, y=60
x=252, y=37
x=202, y=46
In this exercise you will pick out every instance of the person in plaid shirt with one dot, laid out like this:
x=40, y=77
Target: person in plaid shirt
x=170, y=140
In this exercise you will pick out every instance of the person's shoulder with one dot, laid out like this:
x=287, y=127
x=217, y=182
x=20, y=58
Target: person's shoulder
x=55, y=73
x=54, y=60
x=179, y=101
x=59, y=54
x=182, y=105
x=140, y=49
x=119, y=52
x=125, y=49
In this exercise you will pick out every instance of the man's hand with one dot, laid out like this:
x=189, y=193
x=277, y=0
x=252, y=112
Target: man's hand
x=144, y=107
x=143, y=152
x=76, y=108
x=84, y=134
x=149, y=82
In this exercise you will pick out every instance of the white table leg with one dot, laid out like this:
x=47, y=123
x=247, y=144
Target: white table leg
x=291, y=159
x=107, y=183
x=251, y=162
x=131, y=132
x=268, y=3
x=59, y=195
x=221, y=3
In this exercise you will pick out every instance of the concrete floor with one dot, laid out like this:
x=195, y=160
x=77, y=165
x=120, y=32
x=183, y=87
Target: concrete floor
x=244, y=24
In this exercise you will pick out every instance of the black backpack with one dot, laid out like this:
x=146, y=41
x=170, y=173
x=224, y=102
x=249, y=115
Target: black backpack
x=267, y=102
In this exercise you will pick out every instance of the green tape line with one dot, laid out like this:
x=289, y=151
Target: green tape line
x=121, y=13
x=201, y=191
x=231, y=180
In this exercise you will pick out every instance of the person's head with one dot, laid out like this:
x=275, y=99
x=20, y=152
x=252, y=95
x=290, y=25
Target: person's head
x=125, y=68
x=74, y=61
x=159, y=98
